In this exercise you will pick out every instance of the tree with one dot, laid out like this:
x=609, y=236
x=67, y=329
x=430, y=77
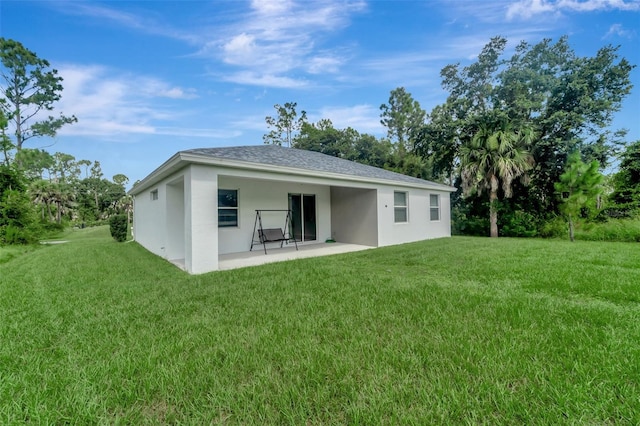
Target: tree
x=439, y=141
x=30, y=88
x=11, y=179
x=412, y=165
x=494, y=158
x=285, y=126
x=99, y=198
x=125, y=203
x=345, y=143
x=17, y=214
x=86, y=164
x=626, y=182
x=120, y=180
x=323, y=137
x=5, y=143
x=367, y=149
x=34, y=163
x=125, y=206
x=403, y=117
x=17, y=219
x=570, y=100
x=63, y=199
x=579, y=186
x=567, y=101
x=42, y=195
x=118, y=227
x=65, y=167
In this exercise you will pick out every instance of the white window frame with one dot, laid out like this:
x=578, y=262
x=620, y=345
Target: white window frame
x=434, y=208
x=153, y=195
x=236, y=208
x=401, y=207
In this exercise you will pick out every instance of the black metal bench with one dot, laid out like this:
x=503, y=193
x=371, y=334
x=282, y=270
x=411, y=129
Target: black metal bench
x=271, y=235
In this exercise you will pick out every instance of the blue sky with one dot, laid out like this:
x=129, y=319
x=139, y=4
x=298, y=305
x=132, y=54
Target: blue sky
x=149, y=78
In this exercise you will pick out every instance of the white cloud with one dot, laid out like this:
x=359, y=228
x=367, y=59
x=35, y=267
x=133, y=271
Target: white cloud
x=178, y=93
x=404, y=69
x=271, y=7
x=324, y=64
x=526, y=9
x=240, y=49
x=278, y=39
x=363, y=118
x=152, y=87
x=620, y=31
x=108, y=103
x=251, y=122
x=265, y=80
x=271, y=44
x=197, y=133
x=480, y=11
x=144, y=24
x=591, y=5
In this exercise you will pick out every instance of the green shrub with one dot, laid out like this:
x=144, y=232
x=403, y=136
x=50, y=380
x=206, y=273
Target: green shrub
x=11, y=235
x=18, y=220
x=554, y=228
x=52, y=227
x=458, y=220
x=118, y=227
x=474, y=225
x=518, y=224
x=624, y=230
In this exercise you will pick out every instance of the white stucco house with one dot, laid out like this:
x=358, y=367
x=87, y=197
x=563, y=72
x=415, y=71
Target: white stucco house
x=201, y=203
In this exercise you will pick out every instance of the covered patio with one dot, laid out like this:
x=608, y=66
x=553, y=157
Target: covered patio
x=277, y=254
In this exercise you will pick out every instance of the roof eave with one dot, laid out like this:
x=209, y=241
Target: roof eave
x=170, y=166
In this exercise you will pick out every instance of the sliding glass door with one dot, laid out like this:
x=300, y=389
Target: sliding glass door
x=303, y=219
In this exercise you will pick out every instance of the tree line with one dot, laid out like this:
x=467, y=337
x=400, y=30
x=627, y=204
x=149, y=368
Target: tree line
x=40, y=191
x=524, y=138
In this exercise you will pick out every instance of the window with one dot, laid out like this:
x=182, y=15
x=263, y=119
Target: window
x=400, y=207
x=154, y=195
x=434, y=206
x=227, y=208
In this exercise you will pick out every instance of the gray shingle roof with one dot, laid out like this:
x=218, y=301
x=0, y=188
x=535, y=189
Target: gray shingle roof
x=306, y=160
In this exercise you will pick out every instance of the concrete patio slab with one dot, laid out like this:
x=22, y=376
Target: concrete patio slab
x=277, y=254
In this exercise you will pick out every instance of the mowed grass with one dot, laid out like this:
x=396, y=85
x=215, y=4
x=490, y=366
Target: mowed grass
x=451, y=331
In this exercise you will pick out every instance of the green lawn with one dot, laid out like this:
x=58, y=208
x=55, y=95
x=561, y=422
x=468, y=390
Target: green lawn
x=461, y=330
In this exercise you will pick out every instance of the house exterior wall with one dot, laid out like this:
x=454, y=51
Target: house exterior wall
x=201, y=219
x=150, y=219
x=254, y=194
x=419, y=226
x=175, y=226
x=182, y=223
x=354, y=216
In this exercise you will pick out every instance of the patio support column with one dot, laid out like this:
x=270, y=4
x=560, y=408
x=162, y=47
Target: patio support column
x=201, y=219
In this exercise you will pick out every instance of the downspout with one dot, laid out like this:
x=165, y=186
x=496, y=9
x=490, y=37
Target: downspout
x=133, y=207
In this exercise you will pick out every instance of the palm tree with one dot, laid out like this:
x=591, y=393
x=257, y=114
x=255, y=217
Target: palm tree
x=42, y=194
x=64, y=198
x=496, y=154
